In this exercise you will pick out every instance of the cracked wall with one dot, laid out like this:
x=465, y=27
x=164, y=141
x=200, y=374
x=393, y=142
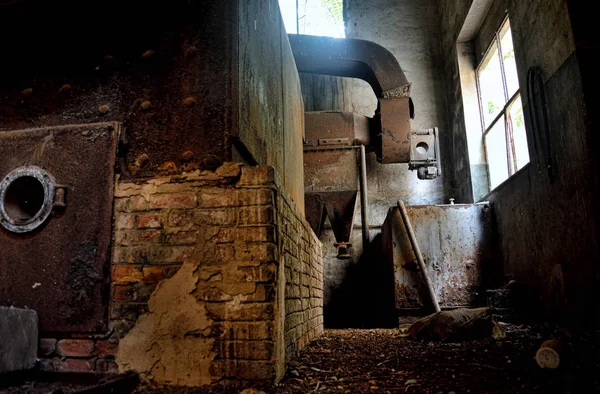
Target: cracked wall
x=216, y=277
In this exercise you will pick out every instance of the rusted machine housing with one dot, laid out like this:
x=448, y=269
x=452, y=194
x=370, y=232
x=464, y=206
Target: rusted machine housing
x=331, y=175
x=457, y=244
x=332, y=138
x=183, y=86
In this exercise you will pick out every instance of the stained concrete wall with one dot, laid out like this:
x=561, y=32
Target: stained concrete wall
x=409, y=29
x=547, y=226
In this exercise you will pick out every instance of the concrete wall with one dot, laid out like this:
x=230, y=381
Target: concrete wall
x=547, y=227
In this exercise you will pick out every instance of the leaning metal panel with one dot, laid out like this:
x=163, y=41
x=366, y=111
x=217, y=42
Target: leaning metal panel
x=58, y=269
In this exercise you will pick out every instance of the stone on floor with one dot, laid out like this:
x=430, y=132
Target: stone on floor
x=18, y=339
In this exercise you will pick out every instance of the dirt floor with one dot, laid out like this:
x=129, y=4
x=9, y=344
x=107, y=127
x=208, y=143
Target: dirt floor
x=382, y=361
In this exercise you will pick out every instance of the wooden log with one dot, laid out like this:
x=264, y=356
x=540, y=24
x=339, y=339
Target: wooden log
x=548, y=355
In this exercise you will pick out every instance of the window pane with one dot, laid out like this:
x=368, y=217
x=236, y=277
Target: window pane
x=321, y=18
x=490, y=85
x=519, y=135
x=508, y=56
x=288, y=13
x=495, y=148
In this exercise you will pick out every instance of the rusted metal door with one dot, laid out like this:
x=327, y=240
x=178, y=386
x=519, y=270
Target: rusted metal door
x=60, y=268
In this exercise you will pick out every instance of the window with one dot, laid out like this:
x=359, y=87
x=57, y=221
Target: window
x=504, y=137
x=314, y=17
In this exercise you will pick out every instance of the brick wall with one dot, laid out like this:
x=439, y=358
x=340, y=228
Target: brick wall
x=302, y=257
x=215, y=277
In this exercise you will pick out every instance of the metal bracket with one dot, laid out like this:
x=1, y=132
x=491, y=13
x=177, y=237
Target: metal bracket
x=425, y=153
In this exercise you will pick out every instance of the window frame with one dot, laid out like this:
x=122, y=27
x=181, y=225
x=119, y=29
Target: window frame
x=511, y=158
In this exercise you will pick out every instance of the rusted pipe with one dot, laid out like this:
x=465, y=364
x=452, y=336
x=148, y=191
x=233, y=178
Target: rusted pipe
x=364, y=201
x=418, y=255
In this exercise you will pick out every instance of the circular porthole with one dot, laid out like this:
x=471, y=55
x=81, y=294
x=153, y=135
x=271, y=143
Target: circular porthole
x=26, y=199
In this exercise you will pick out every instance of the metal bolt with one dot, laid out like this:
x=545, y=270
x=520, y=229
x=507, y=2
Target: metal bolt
x=147, y=54
x=187, y=155
x=451, y=201
x=189, y=101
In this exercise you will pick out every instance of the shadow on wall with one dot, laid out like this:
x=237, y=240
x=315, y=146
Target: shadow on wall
x=365, y=299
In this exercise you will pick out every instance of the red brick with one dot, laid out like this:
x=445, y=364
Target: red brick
x=76, y=347
x=181, y=218
x=182, y=238
x=105, y=348
x=75, y=365
x=170, y=271
x=137, y=203
x=255, y=251
x=246, y=350
x=152, y=274
x=262, y=273
x=236, y=197
x=216, y=217
x=126, y=274
x=225, y=252
x=173, y=200
x=106, y=366
x=138, y=237
x=125, y=221
x=256, y=215
x=256, y=176
x=150, y=220
x=255, y=234
x=245, y=312
x=152, y=254
x=123, y=293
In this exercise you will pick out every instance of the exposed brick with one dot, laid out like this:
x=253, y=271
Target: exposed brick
x=182, y=238
x=180, y=218
x=152, y=254
x=105, y=348
x=152, y=274
x=170, y=271
x=262, y=273
x=215, y=217
x=225, y=252
x=126, y=274
x=123, y=293
x=246, y=350
x=127, y=311
x=255, y=234
x=47, y=347
x=173, y=200
x=125, y=221
x=138, y=237
x=78, y=365
x=255, y=215
x=150, y=220
x=137, y=203
x=235, y=198
x=243, y=312
x=106, y=366
x=255, y=176
x=244, y=369
x=75, y=347
x=255, y=251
